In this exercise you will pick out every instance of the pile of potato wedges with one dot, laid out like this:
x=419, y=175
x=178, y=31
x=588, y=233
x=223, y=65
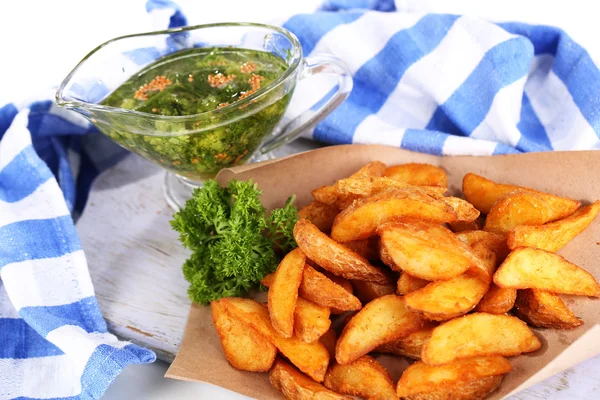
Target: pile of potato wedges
x=387, y=263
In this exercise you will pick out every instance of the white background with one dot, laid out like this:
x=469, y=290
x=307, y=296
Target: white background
x=41, y=41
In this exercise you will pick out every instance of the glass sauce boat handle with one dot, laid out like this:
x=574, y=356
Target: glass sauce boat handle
x=319, y=64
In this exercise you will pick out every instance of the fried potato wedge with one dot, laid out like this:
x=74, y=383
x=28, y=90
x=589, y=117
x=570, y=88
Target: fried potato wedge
x=284, y=292
x=267, y=280
x=329, y=194
x=527, y=268
x=320, y=214
x=364, y=377
x=355, y=188
x=494, y=241
x=361, y=219
x=465, y=212
x=471, y=379
x=483, y=193
x=311, y=320
x=497, y=300
x=310, y=358
x=368, y=291
x=417, y=174
x=443, y=300
x=410, y=346
x=383, y=320
x=244, y=347
x=484, y=270
x=554, y=236
x=367, y=248
x=321, y=290
x=427, y=251
x=329, y=339
x=545, y=310
x=296, y=386
x=524, y=207
x=479, y=334
x=462, y=226
x=408, y=283
x=333, y=256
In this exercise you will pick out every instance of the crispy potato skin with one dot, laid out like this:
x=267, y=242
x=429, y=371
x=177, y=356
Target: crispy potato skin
x=364, y=377
x=465, y=211
x=483, y=193
x=321, y=290
x=528, y=268
x=310, y=358
x=330, y=195
x=483, y=270
x=368, y=291
x=311, y=320
x=462, y=226
x=417, y=174
x=333, y=256
x=463, y=379
x=544, y=310
x=296, y=386
x=524, y=207
x=497, y=300
x=408, y=283
x=361, y=219
x=426, y=250
x=329, y=340
x=284, y=292
x=410, y=346
x=479, y=334
x=443, y=300
x=326, y=195
x=367, y=248
x=383, y=320
x=244, y=347
x=320, y=214
x=554, y=236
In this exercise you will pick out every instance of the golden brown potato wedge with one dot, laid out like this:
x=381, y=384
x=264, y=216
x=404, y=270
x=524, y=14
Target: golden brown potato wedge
x=462, y=226
x=320, y=214
x=364, y=378
x=484, y=270
x=333, y=256
x=385, y=258
x=444, y=300
x=527, y=268
x=465, y=212
x=367, y=248
x=296, y=386
x=425, y=250
x=408, y=283
x=471, y=379
x=494, y=241
x=554, y=236
x=417, y=174
x=244, y=347
x=479, y=334
x=497, y=300
x=329, y=339
x=383, y=320
x=483, y=193
x=310, y=358
x=545, y=310
x=267, y=280
x=523, y=207
x=283, y=292
x=361, y=219
x=321, y=290
x=329, y=194
x=368, y=291
x=410, y=346
x=350, y=189
x=311, y=320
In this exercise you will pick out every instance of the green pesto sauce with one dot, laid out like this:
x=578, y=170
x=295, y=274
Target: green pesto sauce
x=191, y=82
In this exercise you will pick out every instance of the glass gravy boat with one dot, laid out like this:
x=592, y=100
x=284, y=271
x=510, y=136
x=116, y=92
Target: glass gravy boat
x=194, y=148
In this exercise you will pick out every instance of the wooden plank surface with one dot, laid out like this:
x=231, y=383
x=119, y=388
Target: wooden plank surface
x=135, y=262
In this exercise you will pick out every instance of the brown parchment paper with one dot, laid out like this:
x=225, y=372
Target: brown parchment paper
x=572, y=174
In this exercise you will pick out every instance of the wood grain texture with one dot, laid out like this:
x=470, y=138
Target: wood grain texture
x=135, y=263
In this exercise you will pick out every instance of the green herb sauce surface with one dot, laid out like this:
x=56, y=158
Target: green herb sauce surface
x=192, y=82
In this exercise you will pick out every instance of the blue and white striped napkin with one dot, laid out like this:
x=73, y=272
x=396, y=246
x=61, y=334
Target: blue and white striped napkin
x=435, y=83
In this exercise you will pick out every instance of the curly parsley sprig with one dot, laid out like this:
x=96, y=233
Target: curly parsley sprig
x=232, y=238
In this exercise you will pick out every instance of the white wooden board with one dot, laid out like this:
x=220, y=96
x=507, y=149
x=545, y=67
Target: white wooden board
x=135, y=262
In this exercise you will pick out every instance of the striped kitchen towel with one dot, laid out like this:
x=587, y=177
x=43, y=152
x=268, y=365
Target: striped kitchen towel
x=435, y=83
